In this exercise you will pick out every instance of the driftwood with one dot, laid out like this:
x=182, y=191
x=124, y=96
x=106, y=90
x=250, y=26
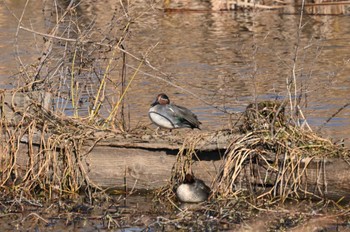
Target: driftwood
x=141, y=168
x=115, y=165
x=140, y=162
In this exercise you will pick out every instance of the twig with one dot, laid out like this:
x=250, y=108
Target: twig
x=333, y=115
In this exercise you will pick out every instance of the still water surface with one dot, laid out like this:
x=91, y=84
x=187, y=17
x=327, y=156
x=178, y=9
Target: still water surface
x=226, y=59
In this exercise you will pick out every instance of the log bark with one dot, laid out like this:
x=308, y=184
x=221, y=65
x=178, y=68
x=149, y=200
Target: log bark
x=140, y=168
x=150, y=168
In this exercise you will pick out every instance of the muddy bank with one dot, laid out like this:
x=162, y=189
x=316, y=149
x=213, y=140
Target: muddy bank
x=140, y=212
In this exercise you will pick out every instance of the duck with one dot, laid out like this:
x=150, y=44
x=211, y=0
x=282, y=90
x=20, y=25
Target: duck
x=170, y=116
x=192, y=190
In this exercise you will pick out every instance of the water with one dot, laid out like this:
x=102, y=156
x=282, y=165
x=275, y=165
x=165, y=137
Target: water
x=225, y=59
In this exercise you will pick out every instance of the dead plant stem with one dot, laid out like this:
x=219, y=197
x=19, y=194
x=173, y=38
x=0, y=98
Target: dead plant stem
x=116, y=107
x=72, y=83
x=293, y=81
x=97, y=103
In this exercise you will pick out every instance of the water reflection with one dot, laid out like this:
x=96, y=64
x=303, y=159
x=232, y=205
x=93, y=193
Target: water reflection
x=229, y=59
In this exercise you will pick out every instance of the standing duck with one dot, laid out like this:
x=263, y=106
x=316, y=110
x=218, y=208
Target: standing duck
x=192, y=190
x=171, y=116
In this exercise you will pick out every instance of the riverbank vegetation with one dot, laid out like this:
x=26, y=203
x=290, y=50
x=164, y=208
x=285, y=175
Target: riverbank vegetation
x=69, y=96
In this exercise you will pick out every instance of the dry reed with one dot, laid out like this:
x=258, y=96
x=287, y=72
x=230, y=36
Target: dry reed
x=42, y=146
x=42, y=153
x=270, y=159
x=183, y=165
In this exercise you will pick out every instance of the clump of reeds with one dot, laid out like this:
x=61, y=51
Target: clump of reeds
x=266, y=115
x=186, y=156
x=42, y=147
x=41, y=153
x=271, y=157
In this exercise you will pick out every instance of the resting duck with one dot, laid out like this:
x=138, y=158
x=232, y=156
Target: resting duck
x=171, y=116
x=192, y=190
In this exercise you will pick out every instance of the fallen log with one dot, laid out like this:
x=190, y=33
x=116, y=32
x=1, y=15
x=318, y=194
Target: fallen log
x=125, y=164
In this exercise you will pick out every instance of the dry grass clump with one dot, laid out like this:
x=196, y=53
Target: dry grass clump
x=263, y=116
x=183, y=165
x=63, y=98
x=41, y=153
x=272, y=156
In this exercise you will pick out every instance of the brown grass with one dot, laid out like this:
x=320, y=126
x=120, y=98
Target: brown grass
x=42, y=153
x=42, y=142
